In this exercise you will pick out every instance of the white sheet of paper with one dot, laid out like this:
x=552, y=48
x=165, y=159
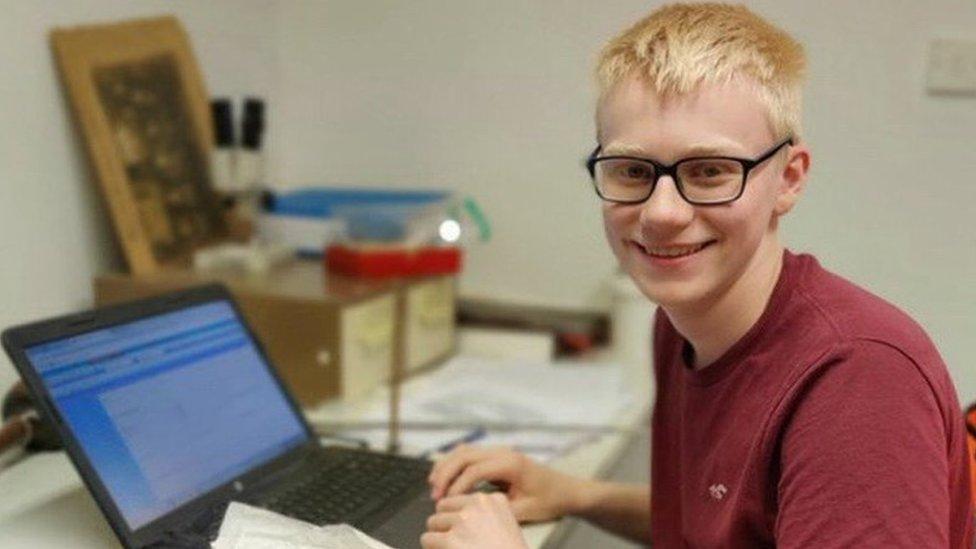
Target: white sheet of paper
x=479, y=391
x=246, y=527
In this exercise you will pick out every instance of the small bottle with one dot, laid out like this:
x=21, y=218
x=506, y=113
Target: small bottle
x=222, y=157
x=250, y=165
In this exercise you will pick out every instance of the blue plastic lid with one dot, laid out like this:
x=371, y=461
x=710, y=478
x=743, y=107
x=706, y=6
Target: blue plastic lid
x=324, y=201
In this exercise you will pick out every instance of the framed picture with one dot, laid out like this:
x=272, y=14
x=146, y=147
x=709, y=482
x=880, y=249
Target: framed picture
x=143, y=114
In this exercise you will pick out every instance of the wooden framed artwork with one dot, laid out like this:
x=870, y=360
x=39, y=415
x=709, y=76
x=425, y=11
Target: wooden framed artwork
x=143, y=114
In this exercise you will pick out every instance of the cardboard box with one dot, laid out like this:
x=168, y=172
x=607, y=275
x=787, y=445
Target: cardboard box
x=430, y=333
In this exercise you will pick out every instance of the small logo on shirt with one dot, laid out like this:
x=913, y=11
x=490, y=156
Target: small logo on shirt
x=718, y=491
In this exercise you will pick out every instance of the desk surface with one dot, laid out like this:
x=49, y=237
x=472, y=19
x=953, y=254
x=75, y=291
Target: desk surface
x=44, y=503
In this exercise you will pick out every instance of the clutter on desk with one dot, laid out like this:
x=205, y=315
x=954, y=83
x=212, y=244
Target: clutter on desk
x=250, y=159
x=237, y=165
x=391, y=261
x=247, y=527
x=575, y=332
x=532, y=406
x=16, y=432
x=369, y=214
x=506, y=343
x=305, y=236
x=222, y=161
x=22, y=429
x=467, y=389
x=429, y=327
x=252, y=257
x=363, y=215
x=376, y=233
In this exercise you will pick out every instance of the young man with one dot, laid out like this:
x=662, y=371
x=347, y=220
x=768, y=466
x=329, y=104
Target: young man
x=793, y=408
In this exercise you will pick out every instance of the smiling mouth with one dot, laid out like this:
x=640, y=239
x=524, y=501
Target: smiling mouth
x=673, y=252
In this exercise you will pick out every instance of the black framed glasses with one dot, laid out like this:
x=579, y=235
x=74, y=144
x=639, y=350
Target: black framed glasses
x=701, y=180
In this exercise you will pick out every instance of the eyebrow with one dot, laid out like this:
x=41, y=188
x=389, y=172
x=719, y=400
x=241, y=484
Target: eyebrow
x=625, y=149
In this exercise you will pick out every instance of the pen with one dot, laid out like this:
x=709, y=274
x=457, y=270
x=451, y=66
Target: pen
x=475, y=434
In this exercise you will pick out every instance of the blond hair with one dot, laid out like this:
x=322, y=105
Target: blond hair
x=679, y=47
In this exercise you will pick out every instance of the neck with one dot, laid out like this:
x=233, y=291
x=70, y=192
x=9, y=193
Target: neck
x=714, y=327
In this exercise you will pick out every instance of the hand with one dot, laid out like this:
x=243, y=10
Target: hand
x=535, y=492
x=476, y=521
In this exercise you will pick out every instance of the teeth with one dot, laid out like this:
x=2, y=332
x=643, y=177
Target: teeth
x=675, y=251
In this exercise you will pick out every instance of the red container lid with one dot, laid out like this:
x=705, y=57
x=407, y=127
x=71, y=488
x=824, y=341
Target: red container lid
x=381, y=262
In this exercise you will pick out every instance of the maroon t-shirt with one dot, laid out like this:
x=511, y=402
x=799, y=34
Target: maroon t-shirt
x=832, y=423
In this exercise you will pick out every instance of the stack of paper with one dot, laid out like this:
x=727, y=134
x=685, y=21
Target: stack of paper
x=246, y=527
x=542, y=408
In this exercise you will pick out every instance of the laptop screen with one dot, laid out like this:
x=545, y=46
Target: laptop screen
x=169, y=406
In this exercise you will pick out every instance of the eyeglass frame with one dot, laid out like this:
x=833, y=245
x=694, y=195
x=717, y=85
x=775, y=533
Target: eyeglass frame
x=671, y=170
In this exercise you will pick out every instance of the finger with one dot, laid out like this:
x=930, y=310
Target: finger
x=452, y=504
x=521, y=508
x=433, y=540
x=482, y=471
x=498, y=499
x=442, y=522
x=462, y=452
x=438, y=465
x=446, y=466
x=450, y=467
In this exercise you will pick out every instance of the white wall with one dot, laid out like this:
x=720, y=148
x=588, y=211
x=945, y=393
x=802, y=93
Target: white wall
x=53, y=231
x=494, y=99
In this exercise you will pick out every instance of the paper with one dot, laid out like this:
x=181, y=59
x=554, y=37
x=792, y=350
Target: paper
x=246, y=527
x=541, y=445
x=529, y=399
x=471, y=390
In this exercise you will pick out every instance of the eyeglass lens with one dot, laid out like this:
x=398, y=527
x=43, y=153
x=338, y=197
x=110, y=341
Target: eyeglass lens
x=702, y=180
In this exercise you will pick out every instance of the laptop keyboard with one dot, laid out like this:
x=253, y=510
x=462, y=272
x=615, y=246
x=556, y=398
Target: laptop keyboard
x=348, y=486
x=341, y=486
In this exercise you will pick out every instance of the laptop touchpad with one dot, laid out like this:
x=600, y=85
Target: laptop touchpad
x=404, y=528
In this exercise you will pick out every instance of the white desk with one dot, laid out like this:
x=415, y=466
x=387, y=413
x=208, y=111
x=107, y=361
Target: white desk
x=43, y=503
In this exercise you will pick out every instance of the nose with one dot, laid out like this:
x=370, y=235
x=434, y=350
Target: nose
x=665, y=212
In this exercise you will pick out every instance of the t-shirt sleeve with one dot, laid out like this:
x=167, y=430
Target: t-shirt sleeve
x=864, y=458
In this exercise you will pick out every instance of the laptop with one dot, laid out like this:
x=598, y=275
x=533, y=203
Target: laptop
x=169, y=409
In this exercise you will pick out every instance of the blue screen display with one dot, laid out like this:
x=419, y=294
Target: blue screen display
x=168, y=407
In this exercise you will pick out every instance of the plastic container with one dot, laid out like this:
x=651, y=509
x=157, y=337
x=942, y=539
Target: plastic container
x=307, y=236
x=386, y=262
x=368, y=215
x=410, y=219
x=323, y=201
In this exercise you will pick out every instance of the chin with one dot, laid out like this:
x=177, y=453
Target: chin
x=671, y=294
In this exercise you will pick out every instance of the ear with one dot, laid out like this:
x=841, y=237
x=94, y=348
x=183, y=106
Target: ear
x=793, y=178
